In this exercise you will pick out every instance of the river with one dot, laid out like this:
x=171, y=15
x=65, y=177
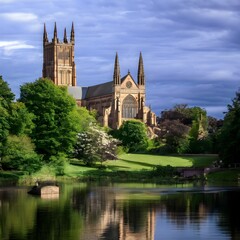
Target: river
x=85, y=211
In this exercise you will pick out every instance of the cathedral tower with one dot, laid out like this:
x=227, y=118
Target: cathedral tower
x=58, y=58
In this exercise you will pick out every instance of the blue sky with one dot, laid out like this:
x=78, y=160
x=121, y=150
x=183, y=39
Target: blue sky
x=191, y=49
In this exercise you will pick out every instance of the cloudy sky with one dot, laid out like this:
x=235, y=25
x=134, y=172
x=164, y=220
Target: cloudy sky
x=191, y=48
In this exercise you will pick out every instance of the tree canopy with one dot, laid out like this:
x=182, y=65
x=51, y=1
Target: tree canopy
x=133, y=135
x=56, y=120
x=6, y=98
x=19, y=154
x=230, y=133
x=184, y=129
x=6, y=95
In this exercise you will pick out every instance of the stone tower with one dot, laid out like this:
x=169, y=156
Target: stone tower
x=58, y=58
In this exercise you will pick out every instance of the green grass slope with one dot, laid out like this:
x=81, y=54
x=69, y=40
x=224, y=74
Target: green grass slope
x=139, y=162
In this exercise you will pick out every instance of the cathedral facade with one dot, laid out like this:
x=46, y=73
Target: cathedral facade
x=116, y=101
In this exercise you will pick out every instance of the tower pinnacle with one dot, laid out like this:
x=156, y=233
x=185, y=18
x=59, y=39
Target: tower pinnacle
x=72, y=38
x=65, y=36
x=55, y=33
x=141, y=77
x=45, y=37
x=116, y=74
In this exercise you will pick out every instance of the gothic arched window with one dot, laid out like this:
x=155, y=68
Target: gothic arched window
x=129, y=107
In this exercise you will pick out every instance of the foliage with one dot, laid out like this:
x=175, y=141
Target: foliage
x=56, y=121
x=163, y=171
x=175, y=134
x=133, y=135
x=58, y=163
x=6, y=97
x=184, y=129
x=86, y=118
x=231, y=175
x=230, y=133
x=20, y=120
x=19, y=154
x=214, y=128
x=95, y=145
x=4, y=127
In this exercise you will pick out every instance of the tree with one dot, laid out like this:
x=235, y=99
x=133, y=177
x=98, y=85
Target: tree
x=175, y=135
x=133, y=135
x=20, y=120
x=4, y=127
x=185, y=129
x=230, y=133
x=214, y=129
x=56, y=121
x=87, y=118
x=95, y=145
x=19, y=154
x=6, y=97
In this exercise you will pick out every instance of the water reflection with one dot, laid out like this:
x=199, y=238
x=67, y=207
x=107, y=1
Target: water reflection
x=85, y=212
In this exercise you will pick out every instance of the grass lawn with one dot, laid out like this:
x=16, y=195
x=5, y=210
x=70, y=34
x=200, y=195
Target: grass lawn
x=129, y=167
x=131, y=162
x=230, y=175
x=138, y=162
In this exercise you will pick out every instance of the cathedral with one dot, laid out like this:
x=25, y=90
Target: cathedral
x=115, y=101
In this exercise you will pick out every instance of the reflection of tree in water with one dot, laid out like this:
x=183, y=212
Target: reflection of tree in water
x=101, y=213
x=56, y=221
x=196, y=207
x=16, y=214
x=229, y=208
x=189, y=207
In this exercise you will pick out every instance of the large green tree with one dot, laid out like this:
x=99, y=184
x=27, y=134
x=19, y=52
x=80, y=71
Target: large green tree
x=230, y=133
x=133, y=135
x=6, y=95
x=6, y=98
x=20, y=120
x=56, y=121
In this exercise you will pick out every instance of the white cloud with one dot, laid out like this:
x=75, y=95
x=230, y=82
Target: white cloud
x=19, y=16
x=9, y=46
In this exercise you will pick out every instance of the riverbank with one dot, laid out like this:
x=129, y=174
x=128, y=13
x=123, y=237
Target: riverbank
x=131, y=168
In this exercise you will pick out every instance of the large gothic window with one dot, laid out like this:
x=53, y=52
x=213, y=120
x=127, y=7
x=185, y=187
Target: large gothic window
x=129, y=107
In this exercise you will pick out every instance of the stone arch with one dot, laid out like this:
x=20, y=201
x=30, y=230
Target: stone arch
x=129, y=107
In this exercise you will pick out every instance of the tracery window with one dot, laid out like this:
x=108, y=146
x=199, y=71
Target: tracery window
x=129, y=107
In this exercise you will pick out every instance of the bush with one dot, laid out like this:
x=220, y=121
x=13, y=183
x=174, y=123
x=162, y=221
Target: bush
x=19, y=154
x=163, y=171
x=133, y=135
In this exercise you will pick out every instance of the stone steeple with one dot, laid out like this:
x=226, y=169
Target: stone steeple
x=72, y=38
x=116, y=74
x=141, y=77
x=65, y=36
x=45, y=37
x=55, y=39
